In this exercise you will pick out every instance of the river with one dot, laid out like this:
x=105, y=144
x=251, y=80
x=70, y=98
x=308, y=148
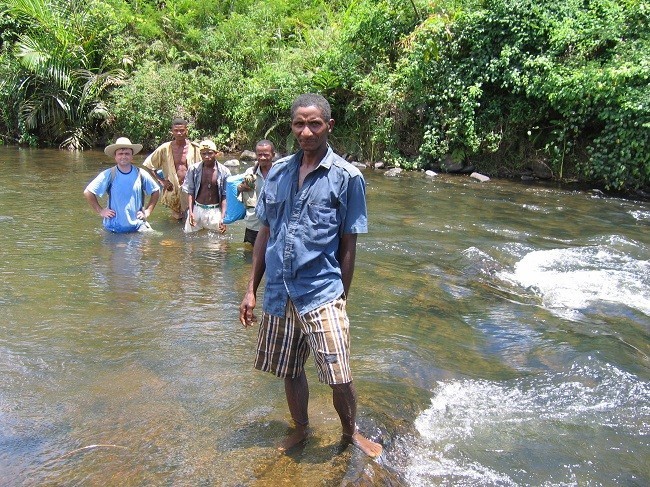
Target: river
x=500, y=336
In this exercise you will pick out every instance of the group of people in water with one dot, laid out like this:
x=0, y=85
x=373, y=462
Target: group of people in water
x=303, y=215
x=187, y=178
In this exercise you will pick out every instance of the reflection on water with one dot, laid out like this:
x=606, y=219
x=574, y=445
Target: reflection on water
x=500, y=337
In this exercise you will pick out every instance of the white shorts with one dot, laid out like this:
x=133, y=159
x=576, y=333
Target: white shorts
x=205, y=216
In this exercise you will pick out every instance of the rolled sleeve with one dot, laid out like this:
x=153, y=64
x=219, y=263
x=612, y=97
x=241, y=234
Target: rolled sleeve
x=356, y=216
x=150, y=186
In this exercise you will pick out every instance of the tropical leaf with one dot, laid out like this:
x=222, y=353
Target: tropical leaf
x=63, y=71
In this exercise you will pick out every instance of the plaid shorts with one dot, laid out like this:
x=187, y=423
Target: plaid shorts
x=284, y=343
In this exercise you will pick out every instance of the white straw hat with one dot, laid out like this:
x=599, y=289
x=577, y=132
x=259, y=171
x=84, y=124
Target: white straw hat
x=207, y=145
x=122, y=143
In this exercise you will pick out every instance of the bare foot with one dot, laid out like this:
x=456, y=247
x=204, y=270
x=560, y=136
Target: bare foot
x=299, y=434
x=369, y=447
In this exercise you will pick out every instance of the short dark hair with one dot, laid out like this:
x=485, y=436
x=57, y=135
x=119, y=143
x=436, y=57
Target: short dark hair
x=312, y=100
x=179, y=121
x=265, y=142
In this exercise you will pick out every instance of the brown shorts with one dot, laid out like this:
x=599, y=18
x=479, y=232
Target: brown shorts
x=284, y=343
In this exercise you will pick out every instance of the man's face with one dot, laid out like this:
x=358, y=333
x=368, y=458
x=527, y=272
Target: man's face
x=179, y=132
x=264, y=155
x=310, y=128
x=123, y=157
x=208, y=155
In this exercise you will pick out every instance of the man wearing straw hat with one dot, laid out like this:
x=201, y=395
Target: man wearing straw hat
x=126, y=186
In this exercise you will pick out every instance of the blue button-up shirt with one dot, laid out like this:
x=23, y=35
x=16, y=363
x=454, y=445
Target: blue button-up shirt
x=306, y=226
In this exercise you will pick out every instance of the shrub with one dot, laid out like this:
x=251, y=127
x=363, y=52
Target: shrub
x=144, y=106
x=562, y=75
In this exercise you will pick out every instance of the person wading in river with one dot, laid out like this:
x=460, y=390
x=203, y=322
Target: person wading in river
x=174, y=158
x=205, y=186
x=312, y=207
x=251, y=186
x=126, y=186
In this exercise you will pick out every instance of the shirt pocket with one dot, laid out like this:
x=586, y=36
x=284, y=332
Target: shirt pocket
x=274, y=214
x=323, y=220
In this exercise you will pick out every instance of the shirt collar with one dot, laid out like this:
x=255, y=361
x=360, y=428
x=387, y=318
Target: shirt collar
x=325, y=162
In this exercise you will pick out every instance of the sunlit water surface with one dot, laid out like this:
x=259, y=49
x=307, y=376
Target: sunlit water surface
x=499, y=333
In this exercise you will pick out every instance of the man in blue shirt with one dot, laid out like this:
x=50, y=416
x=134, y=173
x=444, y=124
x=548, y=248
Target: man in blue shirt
x=126, y=187
x=312, y=207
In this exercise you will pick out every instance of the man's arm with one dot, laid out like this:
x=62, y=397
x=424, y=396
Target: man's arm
x=190, y=209
x=246, y=316
x=91, y=198
x=164, y=183
x=188, y=189
x=347, y=256
x=154, y=161
x=153, y=200
x=223, y=204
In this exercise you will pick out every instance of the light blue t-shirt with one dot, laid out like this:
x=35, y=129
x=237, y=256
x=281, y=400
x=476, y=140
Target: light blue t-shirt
x=306, y=227
x=125, y=197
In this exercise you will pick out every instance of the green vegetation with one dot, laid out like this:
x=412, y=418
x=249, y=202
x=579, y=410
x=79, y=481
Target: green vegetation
x=493, y=84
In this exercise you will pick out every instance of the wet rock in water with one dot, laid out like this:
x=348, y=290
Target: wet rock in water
x=527, y=177
x=480, y=177
x=231, y=163
x=454, y=167
x=6, y=219
x=248, y=155
x=641, y=193
x=373, y=475
x=379, y=165
x=430, y=173
x=391, y=173
x=448, y=164
x=541, y=169
x=360, y=165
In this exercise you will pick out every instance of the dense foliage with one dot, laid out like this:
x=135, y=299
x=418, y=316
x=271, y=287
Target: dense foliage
x=500, y=85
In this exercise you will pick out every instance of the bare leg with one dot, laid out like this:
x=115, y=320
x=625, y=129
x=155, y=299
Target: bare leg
x=345, y=402
x=297, y=392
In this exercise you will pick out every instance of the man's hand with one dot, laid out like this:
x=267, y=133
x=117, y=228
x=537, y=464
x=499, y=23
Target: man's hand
x=222, y=227
x=167, y=184
x=107, y=213
x=143, y=214
x=190, y=218
x=246, y=315
x=243, y=186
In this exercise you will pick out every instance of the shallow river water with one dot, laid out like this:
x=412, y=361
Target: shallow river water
x=500, y=336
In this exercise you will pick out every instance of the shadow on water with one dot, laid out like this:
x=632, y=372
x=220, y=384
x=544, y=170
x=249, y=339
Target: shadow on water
x=499, y=337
